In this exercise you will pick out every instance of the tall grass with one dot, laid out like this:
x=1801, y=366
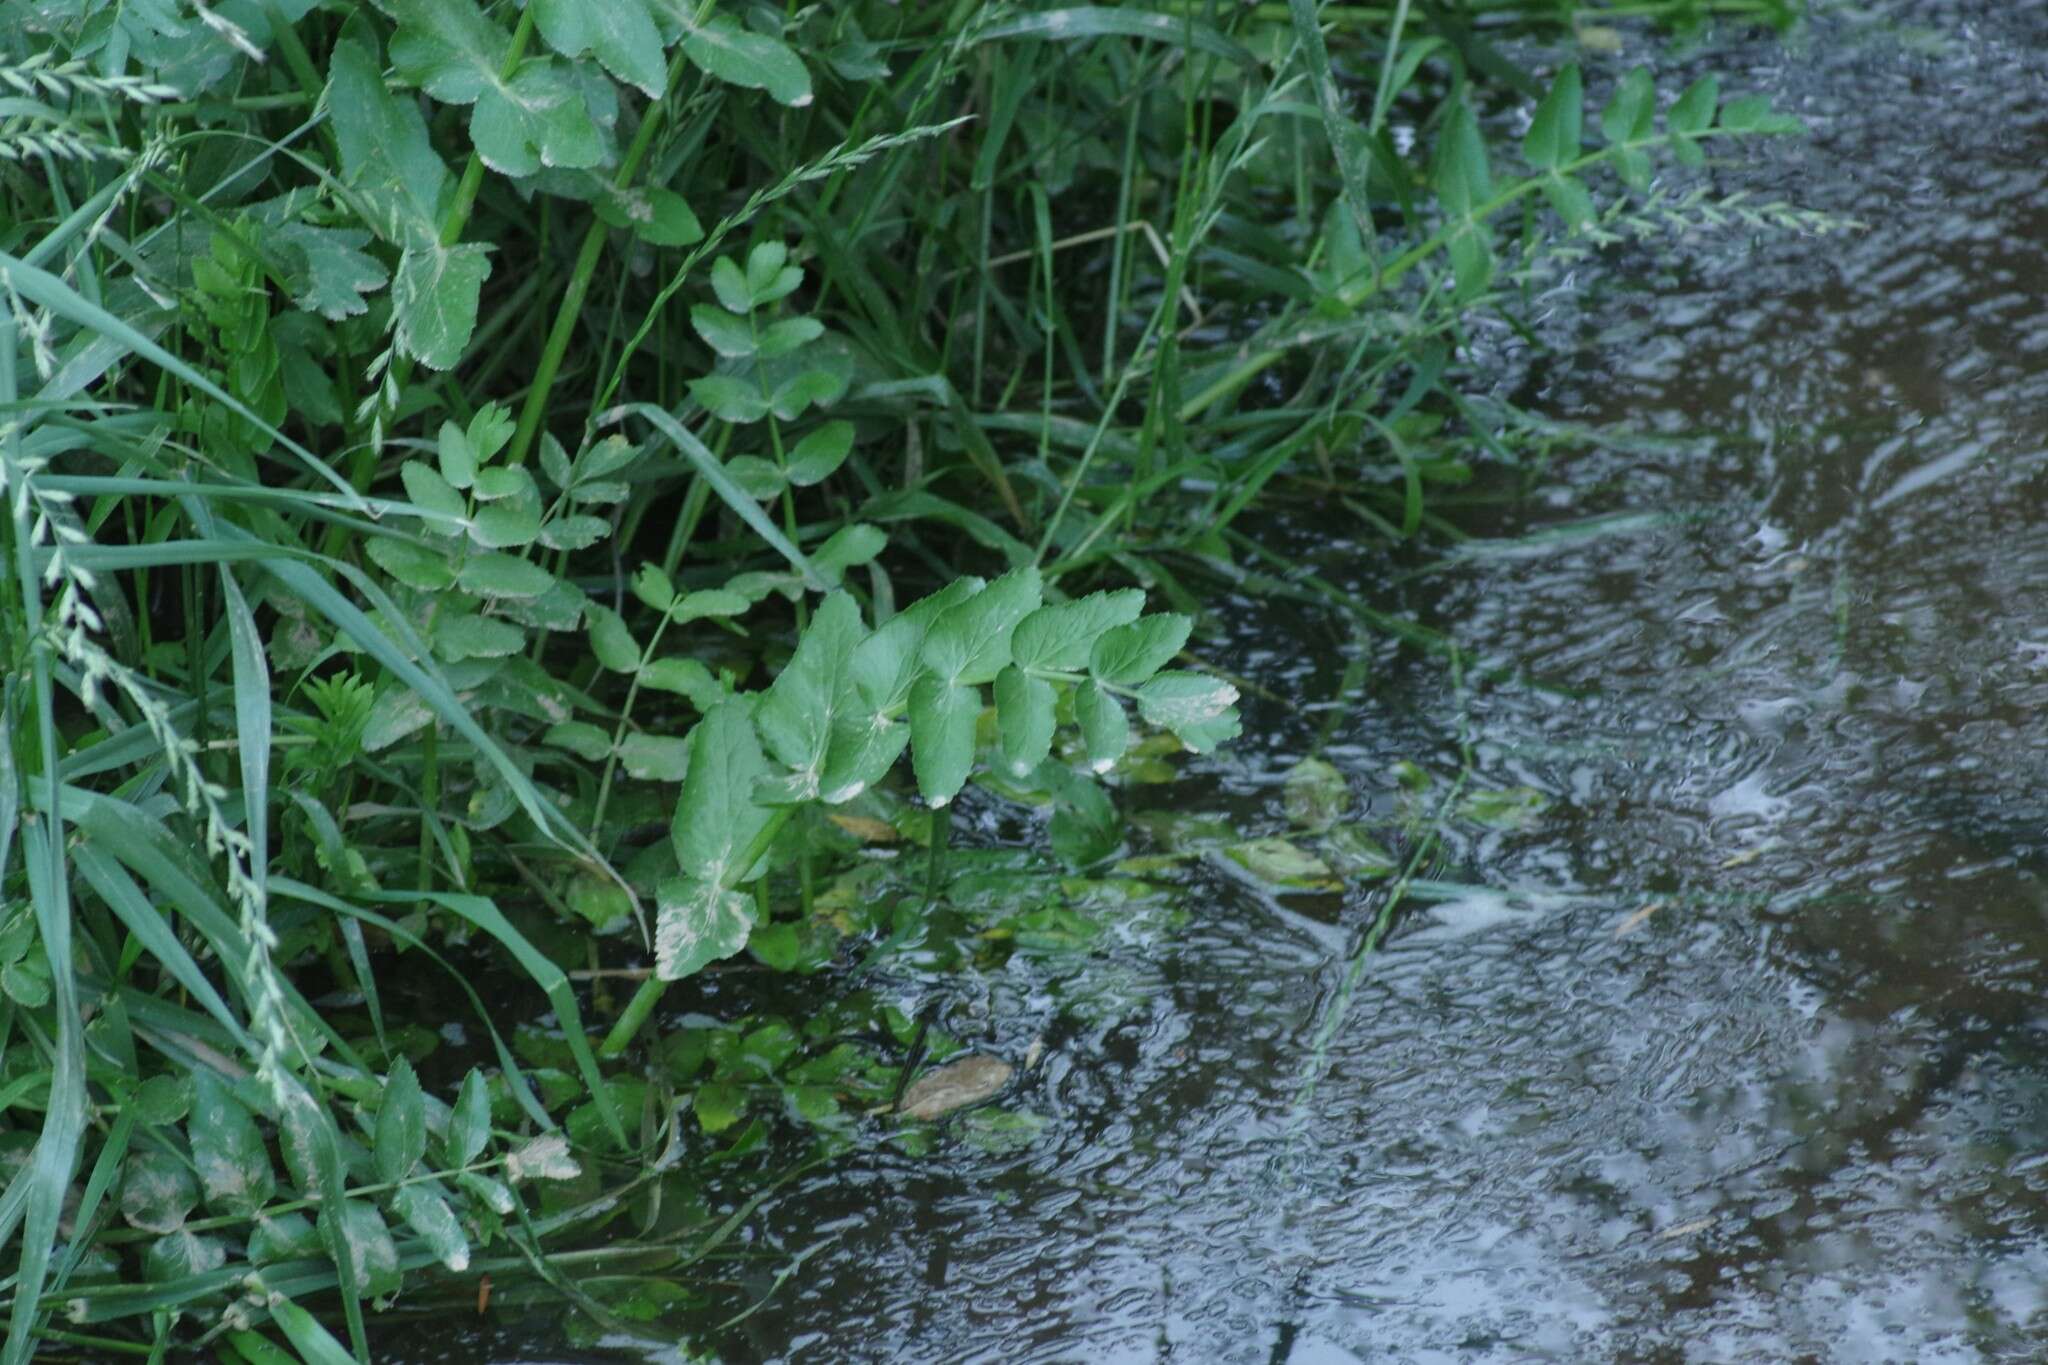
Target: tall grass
x=444, y=442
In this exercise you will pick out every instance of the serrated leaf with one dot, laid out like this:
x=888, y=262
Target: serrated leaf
x=1556, y=133
x=430, y=492
x=1024, y=718
x=505, y=525
x=385, y=152
x=336, y=273
x=729, y=283
x=428, y=1214
x=1127, y=655
x=800, y=391
x=729, y=399
x=1199, y=709
x=1105, y=729
x=1060, y=638
x=769, y=274
x=659, y=758
x=788, y=335
x=469, y=1122
x=970, y=642
x=410, y=564
x=887, y=663
x=457, y=460
x=942, y=720
x=730, y=336
x=819, y=454
x=401, y=1125
x=460, y=635
x=723, y=49
x=574, y=532
x=799, y=709
x=371, y=1250
x=619, y=32
x=503, y=575
x=610, y=641
x=434, y=298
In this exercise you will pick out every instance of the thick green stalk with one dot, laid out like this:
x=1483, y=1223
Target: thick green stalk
x=571, y=308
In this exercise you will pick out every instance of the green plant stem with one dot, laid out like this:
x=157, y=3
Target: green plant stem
x=571, y=307
x=651, y=990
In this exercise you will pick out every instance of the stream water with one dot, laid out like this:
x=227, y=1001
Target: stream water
x=1739, y=1050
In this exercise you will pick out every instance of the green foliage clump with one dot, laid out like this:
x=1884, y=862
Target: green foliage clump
x=449, y=446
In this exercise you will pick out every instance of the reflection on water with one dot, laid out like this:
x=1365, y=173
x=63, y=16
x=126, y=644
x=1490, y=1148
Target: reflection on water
x=1740, y=1051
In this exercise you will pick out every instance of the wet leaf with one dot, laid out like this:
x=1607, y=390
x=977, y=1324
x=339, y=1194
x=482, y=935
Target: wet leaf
x=965, y=1081
x=1315, y=794
x=1356, y=854
x=1505, y=807
x=1281, y=863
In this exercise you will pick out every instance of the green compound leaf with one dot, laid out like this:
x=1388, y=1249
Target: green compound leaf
x=620, y=32
x=401, y=1125
x=537, y=118
x=1024, y=718
x=1060, y=638
x=819, y=454
x=336, y=274
x=1105, y=729
x=723, y=49
x=428, y=1214
x=503, y=575
x=434, y=298
x=1199, y=709
x=469, y=1123
x=729, y=335
x=942, y=720
x=716, y=819
x=410, y=564
x=970, y=643
x=797, y=715
x=697, y=924
x=1556, y=133
x=431, y=492
x=1127, y=655
x=385, y=153
x=887, y=663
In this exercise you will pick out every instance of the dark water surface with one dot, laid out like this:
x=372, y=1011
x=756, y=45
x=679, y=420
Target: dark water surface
x=1797, y=710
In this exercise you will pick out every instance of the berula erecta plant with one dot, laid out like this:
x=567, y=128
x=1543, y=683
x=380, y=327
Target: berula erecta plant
x=566, y=490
